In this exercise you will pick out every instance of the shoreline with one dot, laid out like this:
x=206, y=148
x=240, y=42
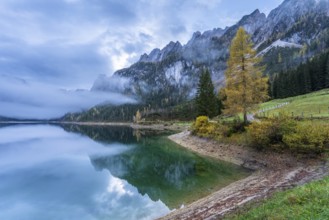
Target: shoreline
x=156, y=126
x=272, y=172
x=123, y=124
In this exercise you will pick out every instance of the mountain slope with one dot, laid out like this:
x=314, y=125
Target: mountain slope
x=293, y=32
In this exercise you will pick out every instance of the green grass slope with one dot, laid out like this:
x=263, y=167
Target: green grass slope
x=310, y=201
x=314, y=104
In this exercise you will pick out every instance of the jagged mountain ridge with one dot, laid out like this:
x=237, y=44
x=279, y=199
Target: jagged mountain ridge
x=291, y=33
x=171, y=74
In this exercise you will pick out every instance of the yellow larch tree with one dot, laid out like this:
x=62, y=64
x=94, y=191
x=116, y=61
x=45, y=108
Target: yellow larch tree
x=245, y=85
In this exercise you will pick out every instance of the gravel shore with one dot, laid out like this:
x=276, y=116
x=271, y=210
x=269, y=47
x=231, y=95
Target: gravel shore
x=272, y=172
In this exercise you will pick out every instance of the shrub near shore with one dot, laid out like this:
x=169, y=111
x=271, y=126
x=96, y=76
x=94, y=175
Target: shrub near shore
x=273, y=133
x=204, y=128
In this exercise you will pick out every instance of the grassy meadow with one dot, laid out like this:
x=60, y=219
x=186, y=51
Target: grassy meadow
x=305, y=202
x=312, y=105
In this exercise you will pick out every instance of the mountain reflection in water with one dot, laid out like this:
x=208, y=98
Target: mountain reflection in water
x=158, y=167
x=92, y=172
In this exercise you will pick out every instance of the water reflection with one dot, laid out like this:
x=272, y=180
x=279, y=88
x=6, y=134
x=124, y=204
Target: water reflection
x=103, y=134
x=159, y=168
x=81, y=172
x=46, y=173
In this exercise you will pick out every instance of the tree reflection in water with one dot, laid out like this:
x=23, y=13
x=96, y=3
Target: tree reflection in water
x=158, y=167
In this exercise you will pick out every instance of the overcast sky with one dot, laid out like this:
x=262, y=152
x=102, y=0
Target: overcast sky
x=66, y=44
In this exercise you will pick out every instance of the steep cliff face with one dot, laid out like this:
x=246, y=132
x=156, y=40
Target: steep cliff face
x=295, y=21
x=282, y=18
x=293, y=32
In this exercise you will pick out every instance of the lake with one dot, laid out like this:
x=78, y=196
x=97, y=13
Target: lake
x=90, y=173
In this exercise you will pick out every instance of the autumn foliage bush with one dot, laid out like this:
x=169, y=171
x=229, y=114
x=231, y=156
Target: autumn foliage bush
x=202, y=127
x=273, y=133
x=308, y=137
x=269, y=133
x=283, y=132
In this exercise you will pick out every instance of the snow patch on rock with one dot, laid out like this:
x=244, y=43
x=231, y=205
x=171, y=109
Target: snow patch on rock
x=280, y=43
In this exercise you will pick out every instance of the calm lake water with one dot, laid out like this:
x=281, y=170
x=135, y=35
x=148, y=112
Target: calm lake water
x=86, y=173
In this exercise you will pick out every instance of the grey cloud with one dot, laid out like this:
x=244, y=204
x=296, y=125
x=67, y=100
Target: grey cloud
x=178, y=29
x=94, y=10
x=61, y=65
x=130, y=48
x=145, y=37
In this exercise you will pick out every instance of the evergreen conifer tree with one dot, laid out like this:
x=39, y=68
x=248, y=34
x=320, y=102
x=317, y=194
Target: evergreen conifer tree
x=307, y=79
x=310, y=76
x=206, y=100
x=323, y=70
x=327, y=74
x=275, y=86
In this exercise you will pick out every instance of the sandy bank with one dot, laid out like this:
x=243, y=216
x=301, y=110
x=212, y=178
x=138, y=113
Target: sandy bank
x=273, y=172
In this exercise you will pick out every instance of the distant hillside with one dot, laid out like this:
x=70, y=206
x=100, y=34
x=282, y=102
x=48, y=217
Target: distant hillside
x=124, y=113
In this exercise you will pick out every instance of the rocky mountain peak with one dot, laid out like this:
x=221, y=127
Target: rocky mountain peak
x=216, y=32
x=292, y=9
x=158, y=55
x=254, y=15
x=172, y=47
x=288, y=14
x=253, y=21
x=196, y=35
